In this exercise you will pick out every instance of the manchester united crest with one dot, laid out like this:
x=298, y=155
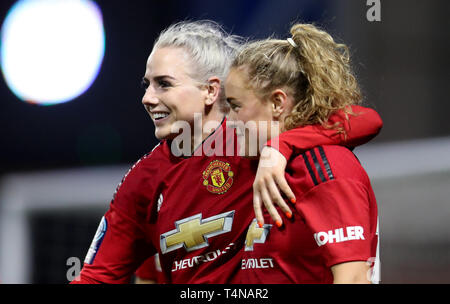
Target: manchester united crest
x=218, y=177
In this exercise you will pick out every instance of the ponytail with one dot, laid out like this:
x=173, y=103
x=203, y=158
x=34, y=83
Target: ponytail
x=311, y=66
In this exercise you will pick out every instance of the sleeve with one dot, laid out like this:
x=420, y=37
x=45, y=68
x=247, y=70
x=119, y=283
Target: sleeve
x=338, y=215
x=117, y=249
x=120, y=244
x=360, y=128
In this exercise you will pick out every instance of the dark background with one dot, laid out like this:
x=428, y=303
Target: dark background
x=108, y=124
x=402, y=65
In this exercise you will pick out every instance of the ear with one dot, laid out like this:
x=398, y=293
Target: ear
x=280, y=103
x=213, y=90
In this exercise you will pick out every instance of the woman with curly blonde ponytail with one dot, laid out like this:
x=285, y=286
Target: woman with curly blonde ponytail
x=326, y=66
x=303, y=83
x=313, y=68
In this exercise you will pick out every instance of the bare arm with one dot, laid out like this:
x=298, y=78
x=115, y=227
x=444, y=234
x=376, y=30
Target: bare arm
x=351, y=273
x=268, y=182
x=138, y=280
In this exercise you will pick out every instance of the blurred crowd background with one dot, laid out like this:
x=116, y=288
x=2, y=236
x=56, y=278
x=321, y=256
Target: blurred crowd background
x=60, y=164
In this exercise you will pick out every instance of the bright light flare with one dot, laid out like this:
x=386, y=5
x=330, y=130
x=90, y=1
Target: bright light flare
x=52, y=50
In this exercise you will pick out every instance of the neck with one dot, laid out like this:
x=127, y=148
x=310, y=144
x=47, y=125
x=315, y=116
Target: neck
x=275, y=128
x=204, y=126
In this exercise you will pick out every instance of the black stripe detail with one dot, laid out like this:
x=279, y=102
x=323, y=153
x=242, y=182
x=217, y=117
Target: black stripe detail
x=317, y=165
x=326, y=163
x=311, y=172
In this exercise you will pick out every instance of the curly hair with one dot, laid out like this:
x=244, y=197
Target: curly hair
x=314, y=69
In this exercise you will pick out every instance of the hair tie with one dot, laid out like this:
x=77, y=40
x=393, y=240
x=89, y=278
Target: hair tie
x=292, y=42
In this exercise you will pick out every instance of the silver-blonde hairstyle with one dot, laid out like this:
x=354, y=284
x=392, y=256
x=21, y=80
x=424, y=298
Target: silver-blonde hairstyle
x=210, y=47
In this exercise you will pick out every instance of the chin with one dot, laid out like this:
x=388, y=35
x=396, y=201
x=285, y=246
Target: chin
x=160, y=135
x=164, y=135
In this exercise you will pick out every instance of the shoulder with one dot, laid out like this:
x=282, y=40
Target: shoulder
x=326, y=163
x=150, y=159
x=159, y=156
x=342, y=162
x=145, y=169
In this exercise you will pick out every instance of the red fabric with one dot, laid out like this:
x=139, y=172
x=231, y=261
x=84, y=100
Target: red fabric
x=334, y=221
x=359, y=130
x=162, y=192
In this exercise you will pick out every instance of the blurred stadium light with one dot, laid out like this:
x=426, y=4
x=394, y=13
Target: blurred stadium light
x=51, y=51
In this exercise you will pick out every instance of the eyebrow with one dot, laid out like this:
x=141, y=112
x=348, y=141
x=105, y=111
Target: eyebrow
x=230, y=99
x=159, y=77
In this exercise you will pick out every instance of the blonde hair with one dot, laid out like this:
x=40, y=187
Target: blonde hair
x=314, y=69
x=210, y=47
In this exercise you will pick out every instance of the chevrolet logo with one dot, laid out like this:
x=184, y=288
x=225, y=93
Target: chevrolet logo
x=192, y=233
x=256, y=235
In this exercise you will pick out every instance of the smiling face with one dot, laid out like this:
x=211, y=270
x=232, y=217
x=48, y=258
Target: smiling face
x=171, y=95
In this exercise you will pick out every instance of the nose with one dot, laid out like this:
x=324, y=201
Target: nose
x=150, y=98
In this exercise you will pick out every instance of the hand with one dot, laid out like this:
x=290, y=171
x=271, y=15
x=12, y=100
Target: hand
x=268, y=182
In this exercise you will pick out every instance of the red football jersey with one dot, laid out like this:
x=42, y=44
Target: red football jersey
x=205, y=211
x=334, y=221
x=193, y=211
x=122, y=243
x=187, y=209
x=360, y=129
